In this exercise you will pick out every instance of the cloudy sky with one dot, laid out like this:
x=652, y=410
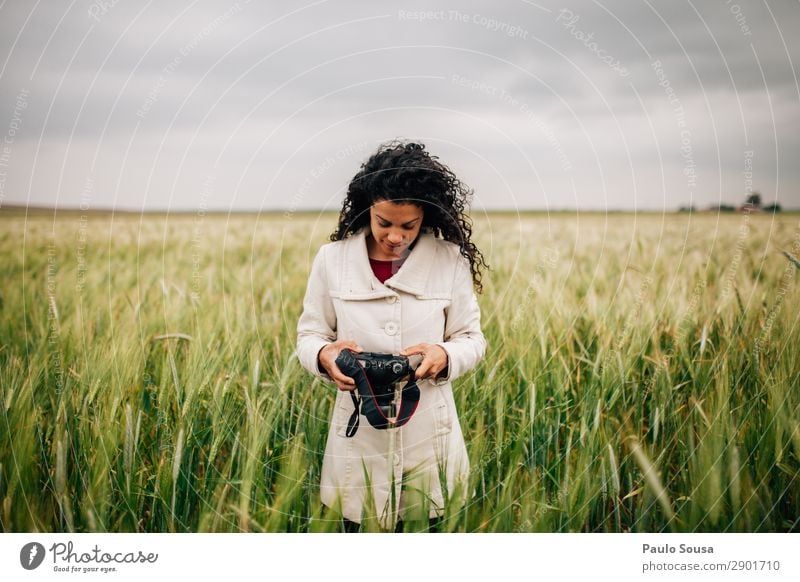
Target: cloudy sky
x=238, y=105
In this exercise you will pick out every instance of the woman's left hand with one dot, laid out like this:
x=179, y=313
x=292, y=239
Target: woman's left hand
x=434, y=359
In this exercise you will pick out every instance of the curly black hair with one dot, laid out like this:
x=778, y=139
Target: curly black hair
x=405, y=173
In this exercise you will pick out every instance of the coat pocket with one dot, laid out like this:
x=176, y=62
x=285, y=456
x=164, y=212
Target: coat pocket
x=342, y=412
x=443, y=426
x=443, y=417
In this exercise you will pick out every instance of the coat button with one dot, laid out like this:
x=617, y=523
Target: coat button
x=391, y=299
x=391, y=328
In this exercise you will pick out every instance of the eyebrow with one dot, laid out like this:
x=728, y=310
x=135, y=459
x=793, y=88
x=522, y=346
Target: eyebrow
x=409, y=223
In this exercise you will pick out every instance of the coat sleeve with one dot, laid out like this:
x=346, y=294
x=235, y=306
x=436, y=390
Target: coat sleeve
x=463, y=339
x=317, y=325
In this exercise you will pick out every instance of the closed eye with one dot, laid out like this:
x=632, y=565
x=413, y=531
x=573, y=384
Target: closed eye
x=407, y=226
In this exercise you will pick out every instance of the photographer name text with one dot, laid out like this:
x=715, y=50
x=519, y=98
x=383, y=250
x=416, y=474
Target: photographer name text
x=680, y=549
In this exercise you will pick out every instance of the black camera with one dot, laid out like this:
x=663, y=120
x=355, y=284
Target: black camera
x=375, y=375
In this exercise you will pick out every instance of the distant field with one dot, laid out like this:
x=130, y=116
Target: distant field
x=643, y=374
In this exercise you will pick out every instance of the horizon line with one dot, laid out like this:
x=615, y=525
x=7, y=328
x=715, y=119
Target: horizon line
x=290, y=212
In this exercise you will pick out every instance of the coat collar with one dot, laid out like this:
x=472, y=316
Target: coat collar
x=359, y=280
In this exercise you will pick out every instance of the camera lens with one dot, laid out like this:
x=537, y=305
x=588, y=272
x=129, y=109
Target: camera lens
x=397, y=367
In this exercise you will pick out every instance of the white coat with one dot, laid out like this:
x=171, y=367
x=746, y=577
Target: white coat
x=430, y=299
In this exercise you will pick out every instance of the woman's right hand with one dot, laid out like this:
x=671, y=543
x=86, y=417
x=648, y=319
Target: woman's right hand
x=327, y=360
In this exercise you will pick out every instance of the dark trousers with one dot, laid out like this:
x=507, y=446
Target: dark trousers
x=353, y=527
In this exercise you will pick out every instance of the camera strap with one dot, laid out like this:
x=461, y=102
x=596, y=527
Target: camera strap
x=368, y=405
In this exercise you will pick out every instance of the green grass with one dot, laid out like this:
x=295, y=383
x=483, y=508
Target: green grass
x=643, y=374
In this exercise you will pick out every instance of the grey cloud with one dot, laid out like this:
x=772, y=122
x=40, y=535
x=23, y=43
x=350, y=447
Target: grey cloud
x=200, y=83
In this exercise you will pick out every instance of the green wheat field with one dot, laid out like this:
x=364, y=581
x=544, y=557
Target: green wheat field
x=642, y=374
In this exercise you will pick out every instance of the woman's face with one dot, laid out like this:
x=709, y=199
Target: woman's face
x=394, y=227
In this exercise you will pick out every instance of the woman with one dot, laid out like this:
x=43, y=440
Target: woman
x=397, y=278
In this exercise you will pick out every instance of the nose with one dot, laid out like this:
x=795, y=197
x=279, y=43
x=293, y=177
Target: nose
x=395, y=238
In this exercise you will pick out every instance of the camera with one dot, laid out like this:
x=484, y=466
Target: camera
x=375, y=375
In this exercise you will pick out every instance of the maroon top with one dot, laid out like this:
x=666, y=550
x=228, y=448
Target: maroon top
x=385, y=269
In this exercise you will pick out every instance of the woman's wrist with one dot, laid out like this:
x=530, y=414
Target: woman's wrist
x=320, y=367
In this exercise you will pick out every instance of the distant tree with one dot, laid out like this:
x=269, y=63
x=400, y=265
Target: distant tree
x=754, y=200
x=689, y=208
x=773, y=207
x=724, y=208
